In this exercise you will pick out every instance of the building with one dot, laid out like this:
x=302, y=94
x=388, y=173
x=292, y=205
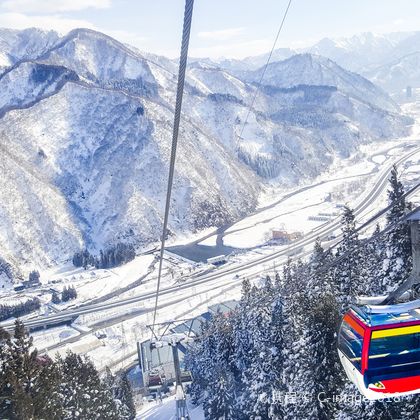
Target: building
x=284, y=236
x=158, y=363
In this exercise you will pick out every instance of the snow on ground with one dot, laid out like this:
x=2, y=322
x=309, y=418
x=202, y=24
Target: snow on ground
x=82, y=346
x=347, y=182
x=12, y=299
x=379, y=159
x=166, y=410
x=413, y=168
x=181, y=239
x=115, y=345
x=51, y=336
x=94, y=283
x=121, y=338
x=210, y=241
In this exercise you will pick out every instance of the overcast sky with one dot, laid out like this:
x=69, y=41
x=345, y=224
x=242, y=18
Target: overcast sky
x=230, y=28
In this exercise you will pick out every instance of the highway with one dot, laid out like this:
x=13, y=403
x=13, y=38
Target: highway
x=298, y=247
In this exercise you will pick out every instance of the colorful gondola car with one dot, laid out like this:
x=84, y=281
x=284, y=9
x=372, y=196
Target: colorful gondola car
x=379, y=348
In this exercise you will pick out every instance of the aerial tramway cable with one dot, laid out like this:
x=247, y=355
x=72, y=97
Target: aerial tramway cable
x=177, y=118
x=263, y=74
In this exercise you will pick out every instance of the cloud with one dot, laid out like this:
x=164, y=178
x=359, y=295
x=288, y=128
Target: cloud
x=221, y=35
x=63, y=25
x=52, y=6
x=47, y=22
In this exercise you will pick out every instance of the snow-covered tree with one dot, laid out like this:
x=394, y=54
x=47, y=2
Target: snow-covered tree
x=48, y=401
x=327, y=372
x=83, y=394
x=321, y=278
x=260, y=375
x=347, y=272
x=397, y=263
x=221, y=401
x=371, y=268
x=5, y=392
x=277, y=345
x=21, y=373
x=120, y=389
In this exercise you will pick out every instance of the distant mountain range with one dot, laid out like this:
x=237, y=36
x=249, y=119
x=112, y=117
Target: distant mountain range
x=85, y=130
x=389, y=60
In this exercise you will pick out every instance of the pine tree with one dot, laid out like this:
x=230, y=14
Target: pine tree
x=410, y=407
x=34, y=277
x=347, y=275
x=371, y=267
x=244, y=345
x=120, y=389
x=298, y=363
x=65, y=294
x=321, y=278
x=260, y=376
x=353, y=406
x=220, y=403
x=5, y=391
x=125, y=396
x=200, y=361
x=398, y=261
x=22, y=373
x=48, y=401
x=327, y=373
x=55, y=298
x=83, y=394
x=277, y=341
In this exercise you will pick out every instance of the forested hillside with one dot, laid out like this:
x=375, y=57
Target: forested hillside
x=276, y=355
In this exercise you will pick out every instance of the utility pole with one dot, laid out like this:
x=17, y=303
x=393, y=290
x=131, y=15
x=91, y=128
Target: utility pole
x=174, y=340
x=181, y=402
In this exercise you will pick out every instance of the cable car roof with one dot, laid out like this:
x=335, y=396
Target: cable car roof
x=387, y=315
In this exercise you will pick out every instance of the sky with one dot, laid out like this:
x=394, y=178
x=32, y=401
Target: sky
x=221, y=28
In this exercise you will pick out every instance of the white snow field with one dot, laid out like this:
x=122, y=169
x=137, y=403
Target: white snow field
x=166, y=410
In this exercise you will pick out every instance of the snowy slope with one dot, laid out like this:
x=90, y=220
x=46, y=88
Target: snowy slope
x=359, y=51
x=30, y=82
x=398, y=74
x=86, y=130
x=26, y=44
x=388, y=60
x=308, y=69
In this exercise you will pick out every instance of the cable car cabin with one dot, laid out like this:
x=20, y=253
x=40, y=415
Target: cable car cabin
x=379, y=348
x=155, y=380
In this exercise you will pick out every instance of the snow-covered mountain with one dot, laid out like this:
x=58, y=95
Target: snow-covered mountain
x=388, y=60
x=85, y=129
x=361, y=51
x=396, y=75
x=26, y=44
x=308, y=69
